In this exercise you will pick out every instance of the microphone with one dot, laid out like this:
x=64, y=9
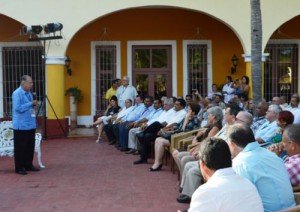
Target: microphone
x=34, y=95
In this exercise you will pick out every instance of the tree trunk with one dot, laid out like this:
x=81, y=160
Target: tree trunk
x=256, y=51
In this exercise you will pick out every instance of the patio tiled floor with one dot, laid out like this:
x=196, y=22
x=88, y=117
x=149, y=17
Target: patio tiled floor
x=81, y=175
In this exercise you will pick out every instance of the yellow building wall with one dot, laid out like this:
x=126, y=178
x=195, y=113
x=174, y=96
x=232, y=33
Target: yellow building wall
x=152, y=24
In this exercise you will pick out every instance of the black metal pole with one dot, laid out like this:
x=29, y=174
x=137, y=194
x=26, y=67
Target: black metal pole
x=44, y=97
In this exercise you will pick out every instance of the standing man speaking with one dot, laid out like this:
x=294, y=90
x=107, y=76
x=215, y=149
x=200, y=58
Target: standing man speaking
x=24, y=126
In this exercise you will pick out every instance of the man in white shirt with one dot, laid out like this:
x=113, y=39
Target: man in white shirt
x=125, y=91
x=150, y=133
x=224, y=189
x=191, y=176
x=294, y=109
x=228, y=90
x=108, y=128
x=160, y=116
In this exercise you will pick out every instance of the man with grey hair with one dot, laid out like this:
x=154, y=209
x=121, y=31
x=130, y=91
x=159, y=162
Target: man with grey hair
x=266, y=131
x=291, y=145
x=125, y=91
x=191, y=176
x=24, y=126
x=244, y=117
x=263, y=168
x=161, y=115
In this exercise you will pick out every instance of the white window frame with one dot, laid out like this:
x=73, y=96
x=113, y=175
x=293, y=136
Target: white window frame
x=185, y=43
x=93, y=66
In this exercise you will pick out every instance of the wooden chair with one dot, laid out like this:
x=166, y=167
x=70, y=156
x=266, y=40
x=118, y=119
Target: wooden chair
x=296, y=189
x=176, y=139
x=179, y=141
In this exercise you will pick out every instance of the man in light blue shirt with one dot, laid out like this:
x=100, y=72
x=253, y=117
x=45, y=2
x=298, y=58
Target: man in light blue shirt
x=267, y=130
x=24, y=126
x=131, y=120
x=262, y=167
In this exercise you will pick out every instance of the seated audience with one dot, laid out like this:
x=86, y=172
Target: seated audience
x=215, y=117
x=276, y=100
x=291, y=146
x=263, y=168
x=133, y=144
x=191, y=176
x=284, y=119
x=260, y=117
x=137, y=110
x=213, y=92
x=219, y=100
x=190, y=122
x=249, y=106
x=283, y=103
x=294, y=108
x=224, y=189
x=121, y=115
x=150, y=133
x=111, y=112
x=266, y=131
x=134, y=119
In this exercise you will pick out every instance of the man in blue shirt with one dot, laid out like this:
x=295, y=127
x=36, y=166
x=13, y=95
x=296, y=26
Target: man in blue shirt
x=262, y=167
x=24, y=126
x=132, y=120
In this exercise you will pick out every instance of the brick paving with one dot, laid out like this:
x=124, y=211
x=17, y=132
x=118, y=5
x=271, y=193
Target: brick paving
x=81, y=175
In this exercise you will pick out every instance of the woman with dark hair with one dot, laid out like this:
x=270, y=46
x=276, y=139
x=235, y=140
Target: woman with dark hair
x=111, y=111
x=190, y=122
x=243, y=88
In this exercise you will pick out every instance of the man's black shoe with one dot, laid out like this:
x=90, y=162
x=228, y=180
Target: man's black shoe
x=112, y=142
x=33, y=169
x=124, y=149
x=21, y=172
x=140, y=161
x=183, y=199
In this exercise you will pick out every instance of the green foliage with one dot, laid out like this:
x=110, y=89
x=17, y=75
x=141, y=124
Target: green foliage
x=76, y=92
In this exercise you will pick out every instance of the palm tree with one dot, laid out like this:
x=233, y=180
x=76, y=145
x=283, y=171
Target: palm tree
x=256, y=51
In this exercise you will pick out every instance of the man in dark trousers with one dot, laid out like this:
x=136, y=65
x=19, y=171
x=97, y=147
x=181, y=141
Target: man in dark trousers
x=24, y=126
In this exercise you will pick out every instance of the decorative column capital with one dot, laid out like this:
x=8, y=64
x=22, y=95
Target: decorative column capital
x=55, y=60
x=247, y=57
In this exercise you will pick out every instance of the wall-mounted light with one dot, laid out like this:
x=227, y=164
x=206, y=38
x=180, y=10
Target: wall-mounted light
x=36, y=29
x=67, y=66
x=234, y=61
x=53, y=27
x=43, y=32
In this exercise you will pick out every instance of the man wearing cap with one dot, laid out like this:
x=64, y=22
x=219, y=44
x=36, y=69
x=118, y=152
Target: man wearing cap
x=112, y=91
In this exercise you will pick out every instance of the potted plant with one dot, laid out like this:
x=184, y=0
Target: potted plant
x=75, y=92
x=75, y=95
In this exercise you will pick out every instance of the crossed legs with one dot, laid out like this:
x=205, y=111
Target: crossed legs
x=159, y=148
